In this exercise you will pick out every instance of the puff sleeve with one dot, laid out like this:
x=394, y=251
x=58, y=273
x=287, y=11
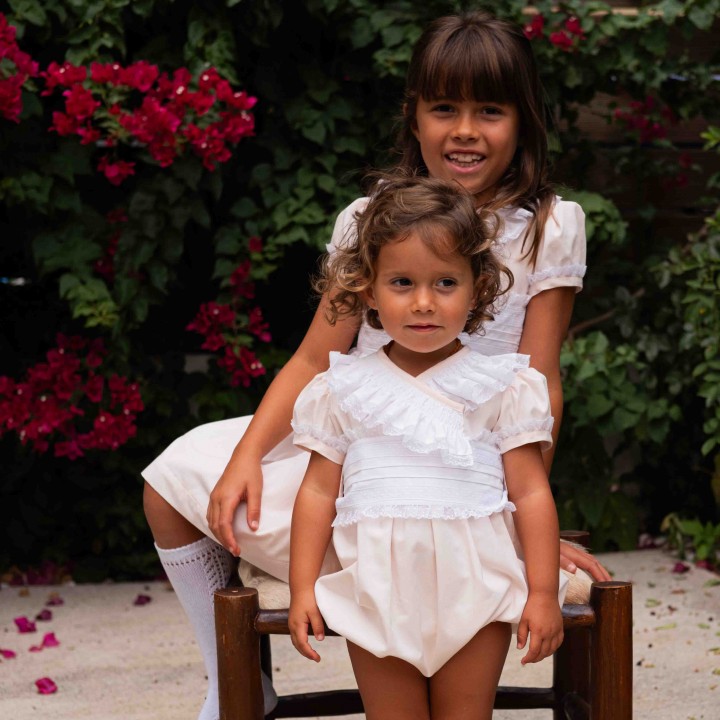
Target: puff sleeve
x=317, y=421
x=525, y=412
x=344, y=230
x=561, y=256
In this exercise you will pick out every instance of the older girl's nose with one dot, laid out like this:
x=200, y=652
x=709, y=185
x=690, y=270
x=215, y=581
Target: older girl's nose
x=465, y=127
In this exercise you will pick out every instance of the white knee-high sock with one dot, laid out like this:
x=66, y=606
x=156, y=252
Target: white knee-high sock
x=195, y=571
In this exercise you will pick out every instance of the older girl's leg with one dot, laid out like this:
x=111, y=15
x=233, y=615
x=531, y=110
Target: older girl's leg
x=464, y=688
x=391, y=689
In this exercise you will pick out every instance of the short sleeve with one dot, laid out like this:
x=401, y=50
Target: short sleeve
x=317, y=421
x=525, y=412
x=344, y=230
x=561, y=256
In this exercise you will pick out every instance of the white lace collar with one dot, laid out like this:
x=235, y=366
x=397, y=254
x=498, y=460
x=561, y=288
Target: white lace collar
x=426, y=411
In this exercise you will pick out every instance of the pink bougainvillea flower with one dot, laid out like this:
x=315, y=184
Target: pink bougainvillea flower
x=142, y=600
x=680, y=567
x=44, y=615
x=116, y=171
x=46, y=686
x=574, y=27
x=54, y=599
x=24, y=625
x=49, y=640
x=562, y=40
x=7, y=654
x=534, y=29
x=255, y=244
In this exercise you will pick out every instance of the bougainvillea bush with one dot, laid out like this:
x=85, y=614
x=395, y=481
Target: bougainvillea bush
x=170, y=171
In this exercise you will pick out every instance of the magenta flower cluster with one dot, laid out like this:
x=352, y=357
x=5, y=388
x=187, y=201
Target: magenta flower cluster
x=16, y=67
x=68, y=405
x=112, y=105
x=566, y=37
x=225, y=327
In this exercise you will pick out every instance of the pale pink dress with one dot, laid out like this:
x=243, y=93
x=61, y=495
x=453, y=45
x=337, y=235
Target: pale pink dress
x=188, y=469
x=424, y=532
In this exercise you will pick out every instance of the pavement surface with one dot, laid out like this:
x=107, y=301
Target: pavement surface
x=117, y=659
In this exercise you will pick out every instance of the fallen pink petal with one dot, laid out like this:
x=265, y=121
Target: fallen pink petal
x=24, y=625
x=8, y=654
x=680, y=567
x=35, y=648
x=142, y=600
x=54, y=599
x=49, y=640
x=46, y=686
x=44, y=615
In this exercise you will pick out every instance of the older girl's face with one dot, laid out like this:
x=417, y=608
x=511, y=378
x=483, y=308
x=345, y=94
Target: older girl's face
x=467, y=141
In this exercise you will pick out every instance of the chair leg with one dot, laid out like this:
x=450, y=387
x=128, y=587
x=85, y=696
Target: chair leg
x=238, y=644
x=571, y=669
x=611, y=651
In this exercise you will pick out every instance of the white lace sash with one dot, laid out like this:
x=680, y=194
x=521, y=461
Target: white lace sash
x=382, y=478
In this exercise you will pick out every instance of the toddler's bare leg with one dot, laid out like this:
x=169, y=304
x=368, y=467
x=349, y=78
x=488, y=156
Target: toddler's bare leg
x=464, y=688
x=391, y=689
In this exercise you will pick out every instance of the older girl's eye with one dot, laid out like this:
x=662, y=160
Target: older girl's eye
x=442, y=108
x=401, y=282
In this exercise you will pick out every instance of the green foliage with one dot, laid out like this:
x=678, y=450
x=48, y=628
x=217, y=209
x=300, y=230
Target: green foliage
x=641, y=426
x=692, y=537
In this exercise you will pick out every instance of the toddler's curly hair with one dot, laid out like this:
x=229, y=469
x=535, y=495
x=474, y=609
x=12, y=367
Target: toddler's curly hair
x=444, y=216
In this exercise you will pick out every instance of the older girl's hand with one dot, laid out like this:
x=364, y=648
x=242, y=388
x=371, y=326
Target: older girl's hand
x=573, y=557
x=241, y=481
x=542, y=620
x=304, y=614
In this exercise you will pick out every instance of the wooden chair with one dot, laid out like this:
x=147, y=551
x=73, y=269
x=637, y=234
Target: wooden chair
x=592, y=670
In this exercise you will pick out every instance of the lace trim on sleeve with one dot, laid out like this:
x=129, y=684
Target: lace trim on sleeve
x=336, y=443
x=543, y=425
x=574, y=270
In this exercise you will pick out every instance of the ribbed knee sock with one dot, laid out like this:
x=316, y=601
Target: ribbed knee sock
x=195, y=571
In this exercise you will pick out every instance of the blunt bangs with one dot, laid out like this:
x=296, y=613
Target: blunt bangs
x=458, y=71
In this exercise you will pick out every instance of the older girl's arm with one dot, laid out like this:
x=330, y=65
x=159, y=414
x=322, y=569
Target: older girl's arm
x=242, y=477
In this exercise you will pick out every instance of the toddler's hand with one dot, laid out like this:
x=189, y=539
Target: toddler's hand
x=304, y=613
x=541, y=618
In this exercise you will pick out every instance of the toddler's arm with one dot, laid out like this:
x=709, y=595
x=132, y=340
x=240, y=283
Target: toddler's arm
x=537, y=527
x=310, y=535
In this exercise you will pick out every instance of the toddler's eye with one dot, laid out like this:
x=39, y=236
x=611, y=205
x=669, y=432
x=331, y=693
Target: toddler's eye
x=401, y=282
x=447, y=282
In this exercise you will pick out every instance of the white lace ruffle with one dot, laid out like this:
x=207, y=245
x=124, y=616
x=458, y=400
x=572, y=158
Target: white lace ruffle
x=475, y=378
x=575, y=270
x=538, y=425
x=417, y=512
x=374, y=397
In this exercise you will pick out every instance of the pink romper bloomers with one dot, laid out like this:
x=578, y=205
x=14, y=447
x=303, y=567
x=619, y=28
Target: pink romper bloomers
x=188, y=469
x=424, y=533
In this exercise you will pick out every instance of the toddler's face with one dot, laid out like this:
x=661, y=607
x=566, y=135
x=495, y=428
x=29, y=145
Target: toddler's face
x=422, y=299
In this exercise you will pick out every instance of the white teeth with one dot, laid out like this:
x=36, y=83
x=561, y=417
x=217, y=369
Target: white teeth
x=465, y=157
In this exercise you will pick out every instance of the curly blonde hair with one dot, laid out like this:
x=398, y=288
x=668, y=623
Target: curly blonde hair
x=444, y=216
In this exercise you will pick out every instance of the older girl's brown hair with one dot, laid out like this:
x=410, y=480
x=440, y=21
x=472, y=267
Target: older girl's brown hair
x=444, y=216
x=476, y=56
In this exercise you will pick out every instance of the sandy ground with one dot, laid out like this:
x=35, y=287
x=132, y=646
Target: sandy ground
x=139, y=662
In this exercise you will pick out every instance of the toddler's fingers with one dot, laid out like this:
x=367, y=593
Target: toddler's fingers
x=300, y=641
x=225, y=529
x=533, y=653
x=317, y=624
x=522, y=633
